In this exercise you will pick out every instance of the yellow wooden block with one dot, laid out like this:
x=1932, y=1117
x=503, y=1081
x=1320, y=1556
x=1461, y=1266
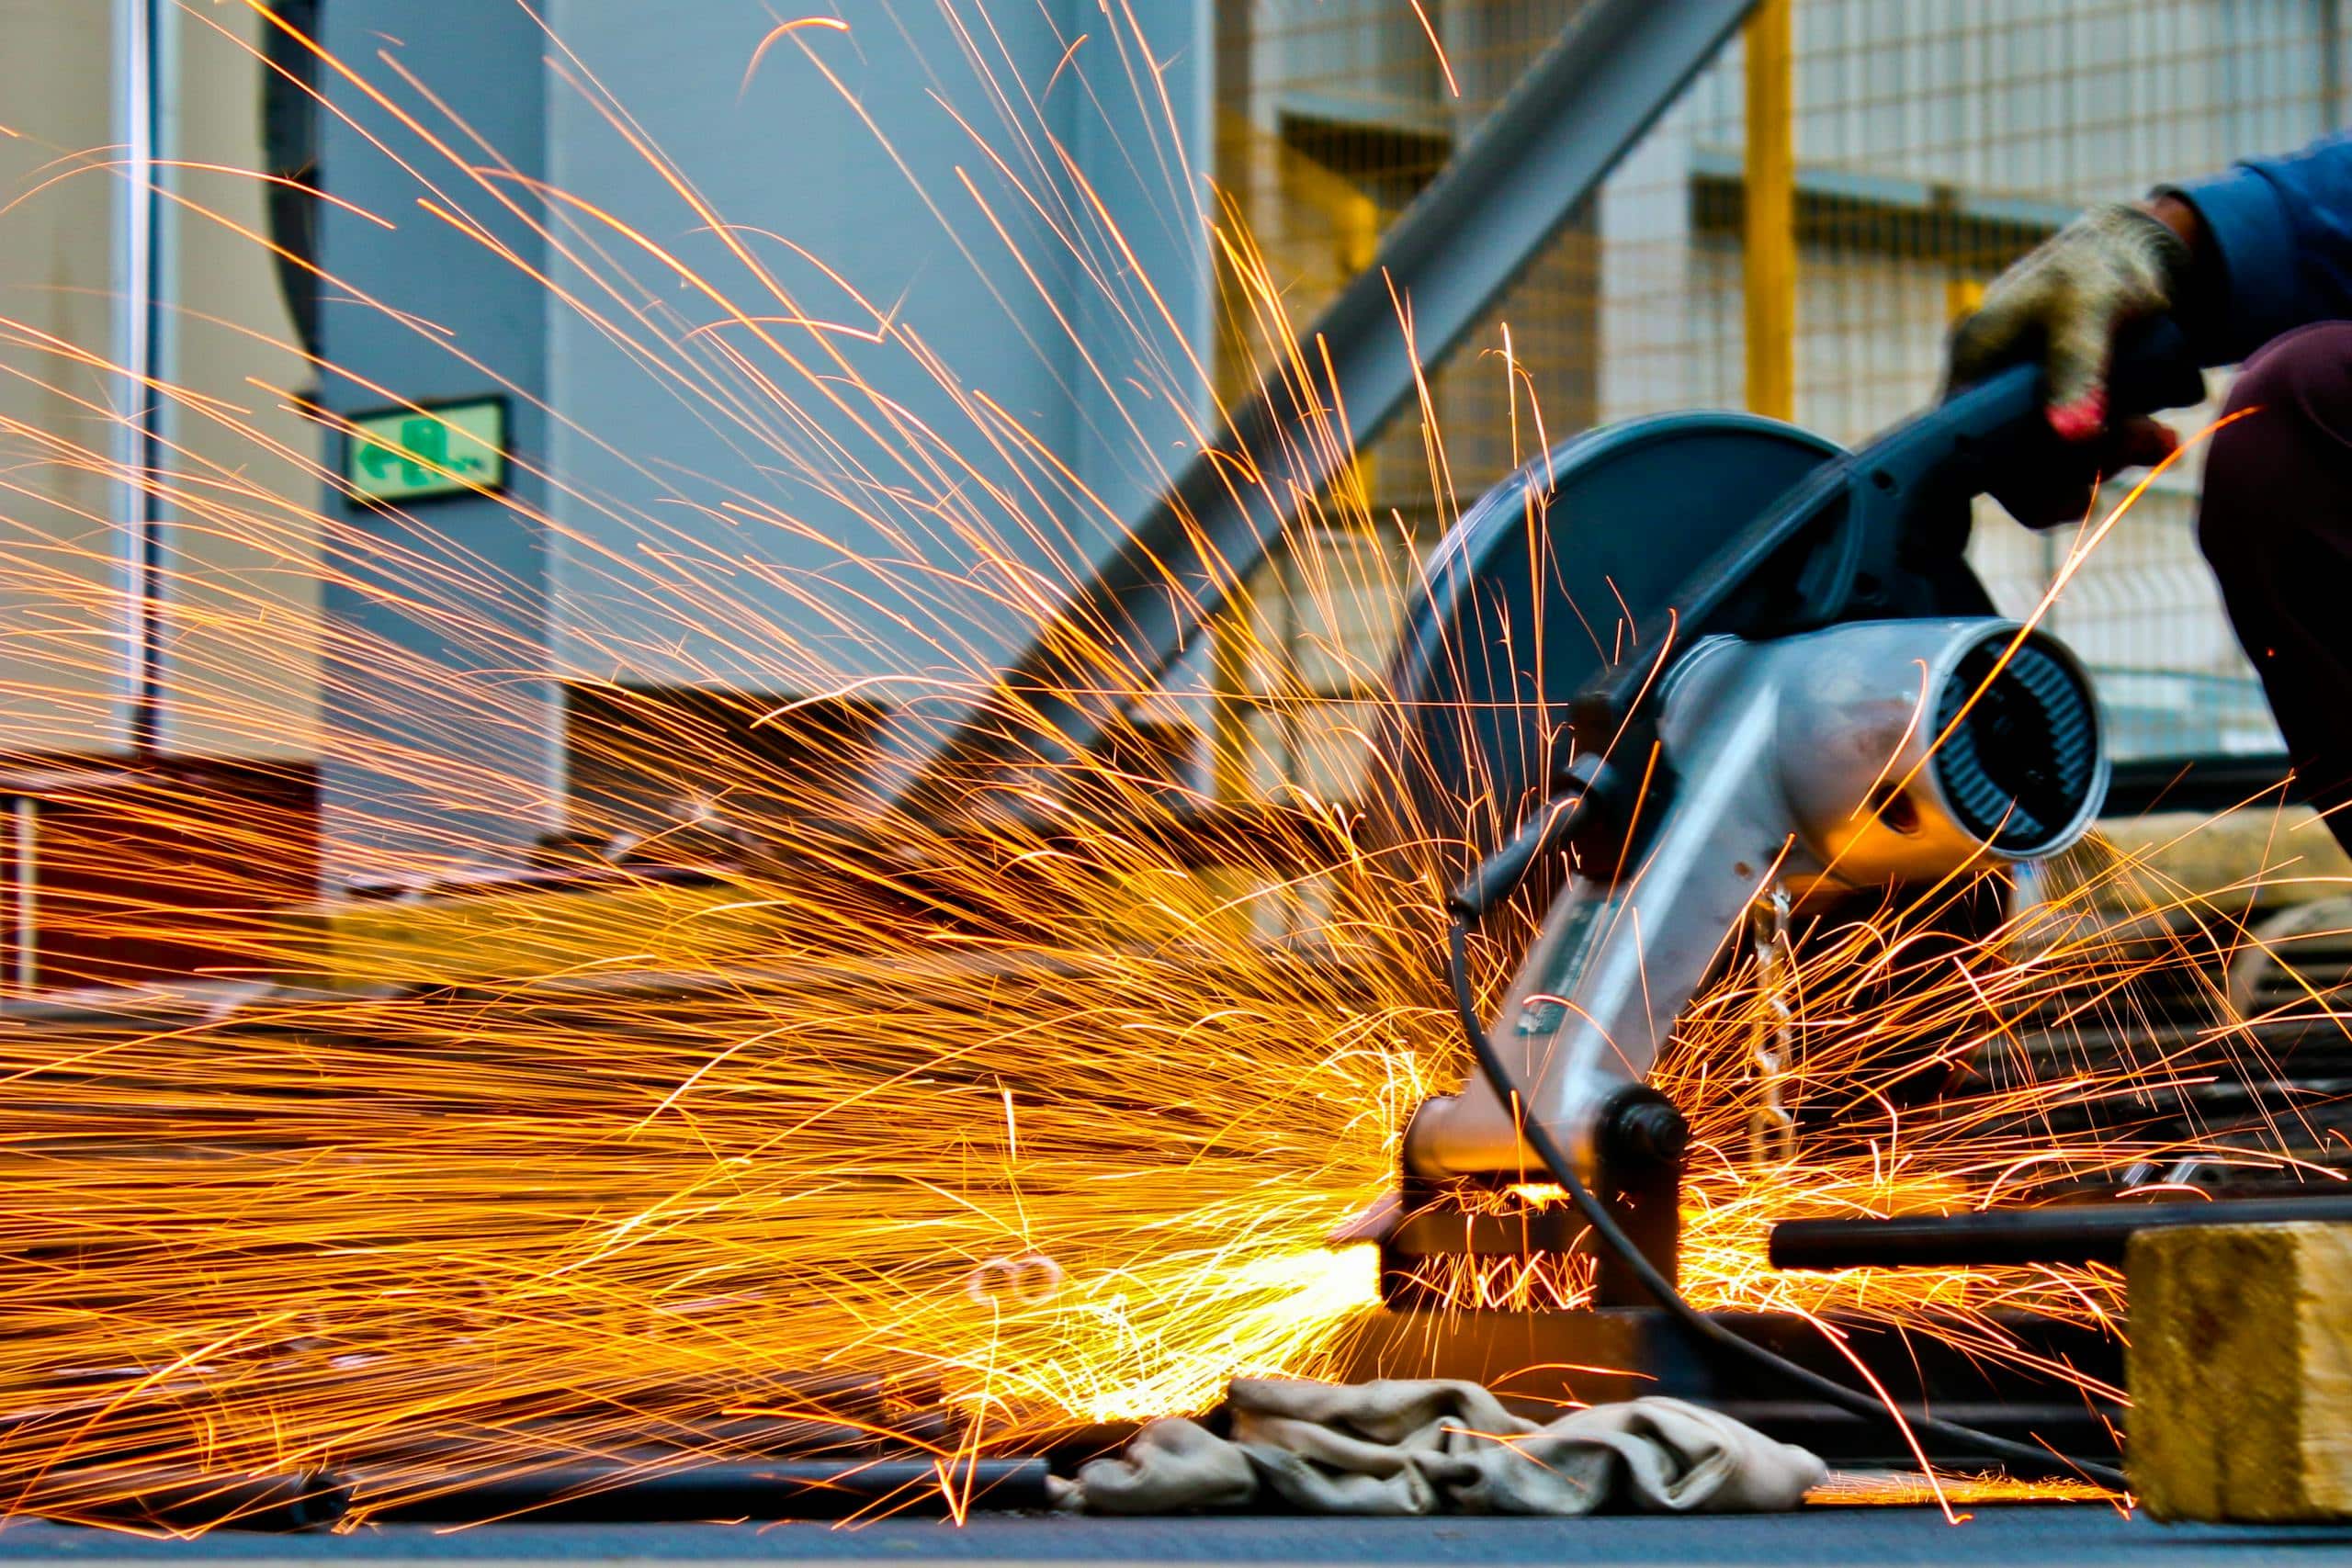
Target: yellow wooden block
x=526, y=935
x=2240, y=1372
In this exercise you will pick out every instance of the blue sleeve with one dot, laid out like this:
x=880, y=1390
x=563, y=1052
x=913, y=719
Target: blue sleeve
x=2282, y=227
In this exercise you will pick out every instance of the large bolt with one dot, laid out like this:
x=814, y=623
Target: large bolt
x=1650, y=1130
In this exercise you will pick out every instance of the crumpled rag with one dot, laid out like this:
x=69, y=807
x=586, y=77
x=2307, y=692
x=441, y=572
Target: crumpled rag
x=1423, y=1447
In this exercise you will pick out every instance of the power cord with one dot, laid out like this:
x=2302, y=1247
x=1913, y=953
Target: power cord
x=1481, y=892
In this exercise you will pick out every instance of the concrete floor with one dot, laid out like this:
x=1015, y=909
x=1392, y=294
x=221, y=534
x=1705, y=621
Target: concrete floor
x=2044, y=1536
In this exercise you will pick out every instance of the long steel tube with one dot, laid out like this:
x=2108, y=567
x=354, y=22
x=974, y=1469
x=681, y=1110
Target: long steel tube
x=2068, y=1234
x=613, y=1491
x=1444, y=261
x=619, y=1493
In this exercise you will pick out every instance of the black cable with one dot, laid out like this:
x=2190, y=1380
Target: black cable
x=1604, y=1225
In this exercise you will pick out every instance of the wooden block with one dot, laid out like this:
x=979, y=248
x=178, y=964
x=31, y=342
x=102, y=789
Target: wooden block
x=2240, y=1372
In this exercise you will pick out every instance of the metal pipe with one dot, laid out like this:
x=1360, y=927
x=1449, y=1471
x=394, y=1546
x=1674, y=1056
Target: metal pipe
x=187, y=1501
x=1501, y=198
x=2205, y=783
x=2068, y=1234
x=141, y=118
x=620, y=1492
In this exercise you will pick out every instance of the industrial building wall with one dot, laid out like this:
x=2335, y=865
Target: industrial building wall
x=825, y=340
x=992, y=213
x=442, y=735
x=159, y=503
x=240, y=571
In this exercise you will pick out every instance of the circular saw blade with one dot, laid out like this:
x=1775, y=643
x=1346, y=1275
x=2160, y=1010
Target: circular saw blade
x=1541, y=587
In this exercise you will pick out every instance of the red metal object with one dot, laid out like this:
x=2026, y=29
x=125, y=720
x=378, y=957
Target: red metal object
x=117, y=871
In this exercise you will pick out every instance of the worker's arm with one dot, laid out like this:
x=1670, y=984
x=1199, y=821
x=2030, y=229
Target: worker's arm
x=2276, y=246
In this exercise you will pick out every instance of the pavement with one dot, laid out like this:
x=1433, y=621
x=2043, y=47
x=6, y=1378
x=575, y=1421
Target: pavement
x=2044, y=1536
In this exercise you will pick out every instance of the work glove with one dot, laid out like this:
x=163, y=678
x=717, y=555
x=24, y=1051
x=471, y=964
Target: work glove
x=2062, y=303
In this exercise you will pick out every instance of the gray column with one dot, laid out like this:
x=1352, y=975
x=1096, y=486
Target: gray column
x=440, y=726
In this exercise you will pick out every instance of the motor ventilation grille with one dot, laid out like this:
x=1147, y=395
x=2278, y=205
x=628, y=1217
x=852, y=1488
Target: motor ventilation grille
x=2019, y=765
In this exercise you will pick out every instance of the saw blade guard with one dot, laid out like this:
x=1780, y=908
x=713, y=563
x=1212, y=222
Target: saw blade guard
x=1870, y=754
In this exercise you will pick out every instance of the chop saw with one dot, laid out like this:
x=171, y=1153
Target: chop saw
x=1674, y=668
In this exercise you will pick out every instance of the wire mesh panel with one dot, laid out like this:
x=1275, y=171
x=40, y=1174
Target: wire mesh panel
x=1933, y=143
x=1332, y=115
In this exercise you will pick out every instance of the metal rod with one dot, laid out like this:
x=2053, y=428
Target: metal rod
x=620, y=1492
x=141, y=116
x=2201, y=784
x=2071, y=1234
x=189, y=1501
x=24, y=855
x=1444, y=261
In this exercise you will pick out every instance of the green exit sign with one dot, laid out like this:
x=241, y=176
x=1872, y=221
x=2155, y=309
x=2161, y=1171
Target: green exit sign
x=413, y=454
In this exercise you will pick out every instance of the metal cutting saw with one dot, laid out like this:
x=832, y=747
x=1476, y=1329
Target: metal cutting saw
x=1675, y=667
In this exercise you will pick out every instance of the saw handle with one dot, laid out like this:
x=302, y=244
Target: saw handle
x=1907, y=488
x=1994, y=436
x=2153, y=370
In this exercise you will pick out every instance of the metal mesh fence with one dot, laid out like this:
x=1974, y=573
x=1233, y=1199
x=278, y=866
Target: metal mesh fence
x=1933, y=144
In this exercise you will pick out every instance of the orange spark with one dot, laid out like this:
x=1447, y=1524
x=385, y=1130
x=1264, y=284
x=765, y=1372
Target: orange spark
x=834, y=24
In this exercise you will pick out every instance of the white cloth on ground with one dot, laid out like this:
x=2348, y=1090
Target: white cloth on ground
x=1421, y=1447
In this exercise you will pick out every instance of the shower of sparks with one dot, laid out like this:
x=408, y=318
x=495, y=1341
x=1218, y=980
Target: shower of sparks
x=965, y=1133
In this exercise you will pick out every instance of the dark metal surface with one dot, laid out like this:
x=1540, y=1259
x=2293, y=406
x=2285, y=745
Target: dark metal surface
x=2197, y=784
x=1539, y=1361
x=622, y=1492
x=267, y=1504
x=1443, y=261
x=2062, y=1234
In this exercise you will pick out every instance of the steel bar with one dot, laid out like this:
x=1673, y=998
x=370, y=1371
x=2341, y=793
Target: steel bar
x=2067, y=1233
x=1445, y=260
x=2201, y=784
x=181, y=1500
x=144, y=91
x=621, y=1492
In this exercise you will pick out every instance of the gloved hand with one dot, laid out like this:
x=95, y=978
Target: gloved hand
x=2062, y=303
